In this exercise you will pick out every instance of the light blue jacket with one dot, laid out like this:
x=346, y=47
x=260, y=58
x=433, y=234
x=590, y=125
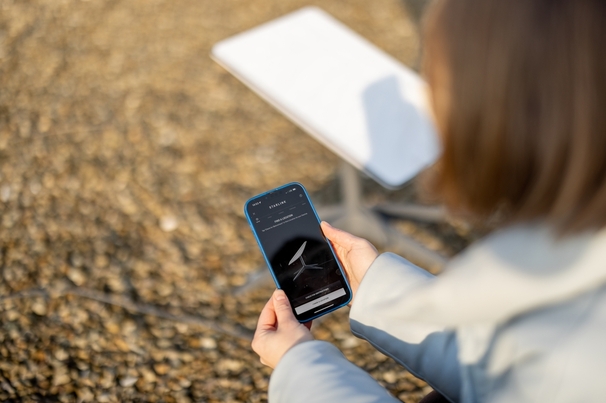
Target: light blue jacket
x=518, y=317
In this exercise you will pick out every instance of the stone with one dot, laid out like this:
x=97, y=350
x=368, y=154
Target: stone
x=208, y=343
x=169, y=223
x=76, y=275
x=230, y=365
x=61, y=379
x=161, y=368
x=85, y=395
x=61, y=354
x=390, y=377
x=350, y=342
x=39, y=307
x=128, y=381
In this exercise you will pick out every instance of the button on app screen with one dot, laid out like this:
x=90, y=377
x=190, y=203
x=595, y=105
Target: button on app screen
x=301, y=259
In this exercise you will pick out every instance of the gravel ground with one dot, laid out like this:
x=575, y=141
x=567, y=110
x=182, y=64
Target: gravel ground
x=125, y=157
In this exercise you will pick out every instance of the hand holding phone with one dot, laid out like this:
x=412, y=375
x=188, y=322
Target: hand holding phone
x=355, y=254
x=278, y=330
x=300, y=259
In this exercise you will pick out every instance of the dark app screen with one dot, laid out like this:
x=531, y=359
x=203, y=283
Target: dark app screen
x=300, y=257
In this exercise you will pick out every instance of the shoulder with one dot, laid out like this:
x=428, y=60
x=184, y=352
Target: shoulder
x=531, y=314
x=510, y=272
x=555, y=352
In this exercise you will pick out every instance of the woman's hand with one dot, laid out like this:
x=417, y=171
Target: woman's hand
x=278, y=330
x=356, y=254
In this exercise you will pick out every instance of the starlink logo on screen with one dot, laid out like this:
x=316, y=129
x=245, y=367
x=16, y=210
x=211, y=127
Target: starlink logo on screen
x=300, y=258
x=278, y=204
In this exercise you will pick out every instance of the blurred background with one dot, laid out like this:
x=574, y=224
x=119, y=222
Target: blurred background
x=126, y=155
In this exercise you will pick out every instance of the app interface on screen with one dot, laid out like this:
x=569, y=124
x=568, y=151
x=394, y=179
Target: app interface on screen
x=301, y=259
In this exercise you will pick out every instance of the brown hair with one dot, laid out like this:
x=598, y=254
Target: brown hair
x=519, y=95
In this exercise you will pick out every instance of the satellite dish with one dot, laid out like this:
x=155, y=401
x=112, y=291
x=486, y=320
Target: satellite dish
x=299, y=255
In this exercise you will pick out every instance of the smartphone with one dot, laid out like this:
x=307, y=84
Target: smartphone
x=300, y=259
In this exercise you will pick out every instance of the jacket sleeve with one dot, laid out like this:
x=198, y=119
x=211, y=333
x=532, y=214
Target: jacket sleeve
x=317, y=372
x=429, y=352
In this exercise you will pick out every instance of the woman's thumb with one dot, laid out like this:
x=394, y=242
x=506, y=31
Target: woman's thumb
x=337, y=236
x=282, y=308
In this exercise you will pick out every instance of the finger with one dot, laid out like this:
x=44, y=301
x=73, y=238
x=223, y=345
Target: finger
x=267, y=318
x=345, y=241
x=282, y=309
x=337, y=236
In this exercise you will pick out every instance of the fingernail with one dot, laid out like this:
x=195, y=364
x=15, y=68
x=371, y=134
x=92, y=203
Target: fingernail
x=280, y=297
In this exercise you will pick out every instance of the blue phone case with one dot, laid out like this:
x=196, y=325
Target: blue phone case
x=267, y=259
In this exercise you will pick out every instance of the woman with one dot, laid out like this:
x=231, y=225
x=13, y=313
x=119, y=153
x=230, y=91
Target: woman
x=518, y=92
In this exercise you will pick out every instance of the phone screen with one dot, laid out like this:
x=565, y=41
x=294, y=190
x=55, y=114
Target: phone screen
x=301, y=260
